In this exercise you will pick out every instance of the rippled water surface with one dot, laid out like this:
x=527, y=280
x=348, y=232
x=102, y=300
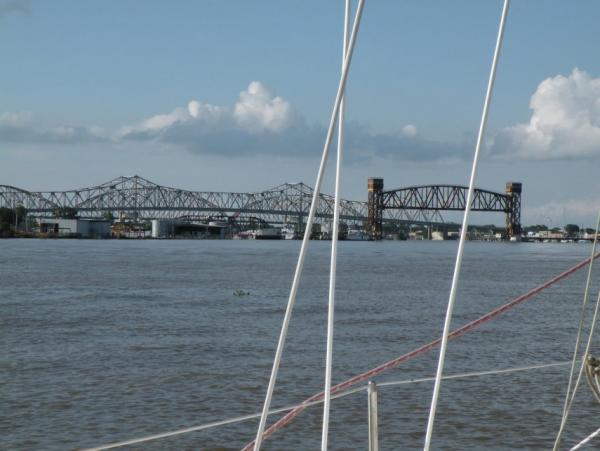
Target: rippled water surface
x=108, y=340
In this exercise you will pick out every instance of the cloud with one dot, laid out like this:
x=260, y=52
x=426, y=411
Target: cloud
x=258, y=123
x=363, y=144
x=409, y=130
x=16, y=120
x=263, y=123
x=258, y=111
x=575, y=208
x=20, y=127
x=565, y=122
x=152, y=127
x=14, y=7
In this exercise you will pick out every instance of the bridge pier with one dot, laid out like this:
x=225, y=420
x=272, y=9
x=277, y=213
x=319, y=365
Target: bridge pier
x=375, y=208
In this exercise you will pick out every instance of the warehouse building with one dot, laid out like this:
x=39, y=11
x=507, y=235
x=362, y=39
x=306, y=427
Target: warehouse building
x=81, y=228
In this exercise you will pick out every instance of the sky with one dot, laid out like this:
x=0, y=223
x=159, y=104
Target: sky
x=218, y=95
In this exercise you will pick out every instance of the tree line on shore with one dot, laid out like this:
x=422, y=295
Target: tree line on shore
x=16, y=220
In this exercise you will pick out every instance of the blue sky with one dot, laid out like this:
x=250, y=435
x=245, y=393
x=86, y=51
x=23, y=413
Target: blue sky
x=92, y=90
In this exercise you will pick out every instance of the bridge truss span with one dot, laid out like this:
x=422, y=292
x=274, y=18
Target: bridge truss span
x=444, y=197
x=438, y=198
x=12, y=197
x=138, y=199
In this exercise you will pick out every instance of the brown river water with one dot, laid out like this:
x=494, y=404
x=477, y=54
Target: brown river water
x=104, y=341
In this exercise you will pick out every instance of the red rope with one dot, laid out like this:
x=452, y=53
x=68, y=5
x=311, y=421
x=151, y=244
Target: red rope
x=421, y=350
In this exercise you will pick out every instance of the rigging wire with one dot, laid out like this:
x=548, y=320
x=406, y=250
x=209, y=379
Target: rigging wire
x=425, y=348
x=586, y=440
x=581, y=369
x=475, y=374
x=568, y=397
x=463, y=232
x=215, y=424
x=309, y=223
x=334, y=244
x=342, y=394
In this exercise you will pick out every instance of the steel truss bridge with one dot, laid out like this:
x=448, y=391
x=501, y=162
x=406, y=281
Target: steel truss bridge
x=438, y=198
x=138, y=200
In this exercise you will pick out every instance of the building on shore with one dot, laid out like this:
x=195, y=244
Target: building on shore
x=168, y=228
x=78, y=228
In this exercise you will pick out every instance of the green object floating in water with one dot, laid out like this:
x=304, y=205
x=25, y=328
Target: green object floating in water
x=239, y=293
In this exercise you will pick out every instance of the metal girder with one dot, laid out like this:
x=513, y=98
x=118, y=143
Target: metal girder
x=444, y=197
x=12, y=197
x=140, y=199
x=436, y=198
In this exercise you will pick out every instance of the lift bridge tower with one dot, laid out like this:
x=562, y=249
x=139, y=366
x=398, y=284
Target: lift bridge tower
x=513, y=215
x=375, y=208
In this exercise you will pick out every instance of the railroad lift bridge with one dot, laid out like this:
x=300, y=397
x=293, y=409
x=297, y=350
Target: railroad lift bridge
x=436, y=198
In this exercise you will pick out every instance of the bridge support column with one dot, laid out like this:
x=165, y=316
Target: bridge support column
x=513, y=215
x=300, y=226
x=375, y=208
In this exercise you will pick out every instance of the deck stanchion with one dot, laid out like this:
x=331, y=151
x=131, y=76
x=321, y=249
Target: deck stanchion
x=372, y=406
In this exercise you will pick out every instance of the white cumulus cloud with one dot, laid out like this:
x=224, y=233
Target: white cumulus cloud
x=565, y=122
x=256, y=111
x=261, y=122
x=258, y=123
x=409, y=130
x=154, y=125
x=206, y=111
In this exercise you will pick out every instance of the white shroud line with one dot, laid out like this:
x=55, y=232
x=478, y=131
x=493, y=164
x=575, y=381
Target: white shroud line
x=309, y=223
x=334, y=245
x=463, y=232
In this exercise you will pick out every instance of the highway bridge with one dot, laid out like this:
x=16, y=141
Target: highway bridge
x=138, y=199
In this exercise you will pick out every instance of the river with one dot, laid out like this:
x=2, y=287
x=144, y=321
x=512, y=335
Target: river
x=108, y=340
